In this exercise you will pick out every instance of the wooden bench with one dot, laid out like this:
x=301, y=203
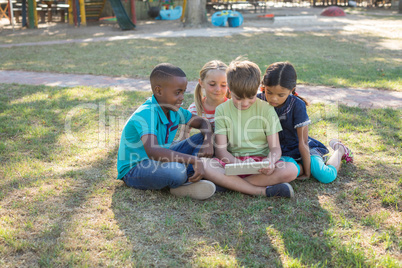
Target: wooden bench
x=40, y=10
x=253, y=4
x=63, y=9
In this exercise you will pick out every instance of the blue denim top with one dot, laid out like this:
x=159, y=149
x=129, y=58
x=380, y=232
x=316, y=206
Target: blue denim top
x=292, y=115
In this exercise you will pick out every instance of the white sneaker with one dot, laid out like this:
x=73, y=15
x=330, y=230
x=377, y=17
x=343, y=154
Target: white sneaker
x=200, y=190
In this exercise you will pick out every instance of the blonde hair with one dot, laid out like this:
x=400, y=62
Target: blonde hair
x=198, y=94
x=244, y=78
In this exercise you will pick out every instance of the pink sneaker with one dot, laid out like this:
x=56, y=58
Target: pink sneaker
x=348, y=156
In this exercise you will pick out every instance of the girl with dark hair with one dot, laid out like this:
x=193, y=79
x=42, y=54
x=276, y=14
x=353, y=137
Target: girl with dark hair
x=279, y=90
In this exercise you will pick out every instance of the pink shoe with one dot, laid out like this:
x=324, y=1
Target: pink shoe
x=348, y=156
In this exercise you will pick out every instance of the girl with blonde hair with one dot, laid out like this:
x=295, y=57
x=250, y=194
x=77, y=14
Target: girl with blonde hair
x=210, y=92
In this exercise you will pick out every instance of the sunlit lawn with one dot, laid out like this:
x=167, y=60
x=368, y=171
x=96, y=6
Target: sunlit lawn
x=60, y=204
x=321, y=58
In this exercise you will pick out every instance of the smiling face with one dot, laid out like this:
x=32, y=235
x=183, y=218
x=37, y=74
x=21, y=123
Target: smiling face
x=276, y=95
x=170, y=93
x=215, y=85
x=243, y=103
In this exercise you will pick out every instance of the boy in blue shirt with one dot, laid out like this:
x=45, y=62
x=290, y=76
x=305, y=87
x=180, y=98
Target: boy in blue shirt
x=146, y=157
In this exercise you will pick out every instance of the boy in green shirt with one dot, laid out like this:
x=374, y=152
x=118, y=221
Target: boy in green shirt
x=246, y=130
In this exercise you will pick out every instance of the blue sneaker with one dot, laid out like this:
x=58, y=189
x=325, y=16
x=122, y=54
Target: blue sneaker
x=280, y=190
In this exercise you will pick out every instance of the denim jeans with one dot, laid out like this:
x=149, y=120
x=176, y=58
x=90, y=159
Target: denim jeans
x=154, y=175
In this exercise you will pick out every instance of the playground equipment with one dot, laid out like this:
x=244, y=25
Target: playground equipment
x=122, y=17
x=170, y=14
x=227, y=17
x=76, y=12
x=80, y=11
x=333, y=11
x=29, y=11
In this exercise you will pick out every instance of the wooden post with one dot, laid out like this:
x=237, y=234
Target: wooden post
x=24, y=13
x=11, y=13
x=77, y=6
x=133, y=15
x=82, y=12
x=75, y=12
x=31, y=16
x=35, y=14
x=184, y=10
x=70, y=12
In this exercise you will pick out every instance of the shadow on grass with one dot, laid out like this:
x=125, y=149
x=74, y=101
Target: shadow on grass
x=232, y=229
x=48, y=180
x=62, y=237
x=57, y=226
x=41, y=123
x=315, y=229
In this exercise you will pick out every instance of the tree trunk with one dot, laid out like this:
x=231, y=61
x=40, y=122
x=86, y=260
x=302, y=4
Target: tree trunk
x=196, y=13
x=400, y=6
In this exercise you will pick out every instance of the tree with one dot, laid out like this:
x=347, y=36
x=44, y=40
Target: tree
x=196, y=15
x=400, y=6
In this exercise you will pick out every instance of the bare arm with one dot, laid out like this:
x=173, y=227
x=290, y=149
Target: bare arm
x=184, y=132
x=221, y=151
x=207, y=148
x=158, y=153
x=275, y=151
x=302, y=133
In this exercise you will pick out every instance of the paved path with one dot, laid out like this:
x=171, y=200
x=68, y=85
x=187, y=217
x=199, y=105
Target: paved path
x=365, y=98
x=202, y=32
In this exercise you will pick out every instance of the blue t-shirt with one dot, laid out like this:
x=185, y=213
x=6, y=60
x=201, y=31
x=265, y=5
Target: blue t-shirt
x=149, y=118
x=292, y=115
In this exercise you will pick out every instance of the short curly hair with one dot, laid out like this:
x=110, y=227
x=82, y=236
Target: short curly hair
x=163, y=72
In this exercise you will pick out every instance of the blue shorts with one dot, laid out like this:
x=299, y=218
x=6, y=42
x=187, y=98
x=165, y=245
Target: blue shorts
x=291, y=160
x=323, y=173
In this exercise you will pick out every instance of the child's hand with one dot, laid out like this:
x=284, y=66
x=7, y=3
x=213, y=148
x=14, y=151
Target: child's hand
x=207, y=150
x=303, y=177
x=198, y=171
x=269, y=170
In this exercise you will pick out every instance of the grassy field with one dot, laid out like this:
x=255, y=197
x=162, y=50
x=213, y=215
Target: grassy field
x=320, y=58
x=60, y=205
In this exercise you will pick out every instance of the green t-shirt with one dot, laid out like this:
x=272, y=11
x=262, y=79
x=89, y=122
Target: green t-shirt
x=247, y=130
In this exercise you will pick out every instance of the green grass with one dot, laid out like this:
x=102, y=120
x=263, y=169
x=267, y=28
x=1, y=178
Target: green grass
x=324, y=58
x=61, y=206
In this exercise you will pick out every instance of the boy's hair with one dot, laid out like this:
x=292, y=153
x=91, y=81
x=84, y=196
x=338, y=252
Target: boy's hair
x=198, y=95
x=282, y=74
x=243, y=78
x=164, y=71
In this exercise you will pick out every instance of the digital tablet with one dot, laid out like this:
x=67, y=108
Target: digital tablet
x=245, y=168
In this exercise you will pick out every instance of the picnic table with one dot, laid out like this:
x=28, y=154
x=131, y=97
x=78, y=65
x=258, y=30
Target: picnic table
x=44, y=9
x=228, y=4
x=5, y=10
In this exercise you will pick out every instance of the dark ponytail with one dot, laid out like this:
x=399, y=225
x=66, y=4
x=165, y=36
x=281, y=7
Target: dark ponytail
x=284, y=75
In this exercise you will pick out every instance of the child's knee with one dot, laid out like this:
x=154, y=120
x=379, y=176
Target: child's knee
x=291, y=171
x=197, y=139
x=326, y=175
x=177, y=175
x=290, y=166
